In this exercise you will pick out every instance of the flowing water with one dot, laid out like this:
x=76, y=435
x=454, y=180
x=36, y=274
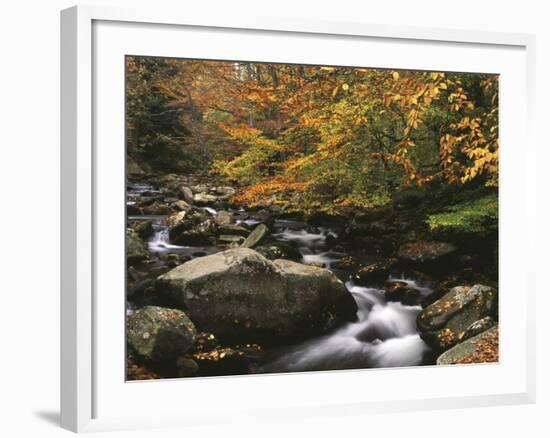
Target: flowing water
x=384, y=334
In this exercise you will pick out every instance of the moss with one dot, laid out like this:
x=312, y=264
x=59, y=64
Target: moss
x=479, y=216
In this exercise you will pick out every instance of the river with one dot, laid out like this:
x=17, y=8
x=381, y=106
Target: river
x=385, y=333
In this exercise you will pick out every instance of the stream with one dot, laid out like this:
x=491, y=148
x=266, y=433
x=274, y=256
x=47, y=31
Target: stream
x=384, y=334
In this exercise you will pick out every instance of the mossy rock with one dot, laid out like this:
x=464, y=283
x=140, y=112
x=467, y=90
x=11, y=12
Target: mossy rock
x=136, y=248
x=240, y=295
x=481, y=348
x=443, y=323
x=158, y=333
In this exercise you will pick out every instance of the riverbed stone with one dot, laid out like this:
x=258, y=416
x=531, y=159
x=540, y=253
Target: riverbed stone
x=136, y=249
x=185, y=193
x=443, y=323
x=158, y=333
x=144, y=228
x=481, y=348
x=157, y=208
x=204, y=199
x=256, y=236
x=239, y=294
x=200, y=188
x=223, y=217
x=279, y=250
x=373, y=272
x=478, y=327
x=401, y=291
x=181, y=205
x=194, y=227
x=225, y=191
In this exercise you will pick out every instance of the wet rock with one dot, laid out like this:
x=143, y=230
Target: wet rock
x=423, y=251
x=194, y=227
x=204, y=199
x=174, y=259
x=225, y=191
x=181, y=205
x=400, y=291
x=157, y=209
x=158, y=333
x=136, y=249
x=199, y=188
x=186, y=367
x=185, y=194
x=223, y=217
x=256, y=236
x=444, y=323
x=279, y=250
x=202, y=234
x=477, y=327
x=239, y=294
x=374, y=272
x=481, y=348
x=144, y=228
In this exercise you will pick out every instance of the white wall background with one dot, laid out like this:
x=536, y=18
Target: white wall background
x=29, y=215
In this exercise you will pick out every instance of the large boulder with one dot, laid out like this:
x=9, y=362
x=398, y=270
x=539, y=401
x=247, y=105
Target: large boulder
x=157, y=333
x=423, y=251
x=238, y=294
x=479, y=349
x=443, y=323
x=136, y=249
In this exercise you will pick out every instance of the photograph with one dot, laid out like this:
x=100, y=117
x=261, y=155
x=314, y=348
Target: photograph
x=285, y=218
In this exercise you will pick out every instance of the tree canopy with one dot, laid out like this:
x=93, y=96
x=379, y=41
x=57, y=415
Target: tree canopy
x=314, y=137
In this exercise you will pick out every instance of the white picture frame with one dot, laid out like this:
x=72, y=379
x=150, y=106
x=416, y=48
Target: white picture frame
x=89, y=398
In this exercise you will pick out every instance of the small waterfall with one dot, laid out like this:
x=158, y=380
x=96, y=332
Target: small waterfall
x=311, y=245
x=160, y=241
x=302, y=238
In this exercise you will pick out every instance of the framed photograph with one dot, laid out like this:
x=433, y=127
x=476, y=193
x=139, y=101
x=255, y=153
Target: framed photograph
x=268, y=207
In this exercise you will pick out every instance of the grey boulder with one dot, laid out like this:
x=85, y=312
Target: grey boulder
x=158, y=333
x=445, y=322
x=238, y=294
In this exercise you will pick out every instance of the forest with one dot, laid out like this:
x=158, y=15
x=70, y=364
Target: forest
x=301, y=218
